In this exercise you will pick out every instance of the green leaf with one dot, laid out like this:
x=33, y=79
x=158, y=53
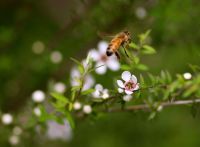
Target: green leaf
x=73, y=94
x=80, y=65
x=89, y=91
x=125, y=67
x=152, y=78
x=133, y=45
x=142, y=83
x=169, y=77
x=142, y=67
x=75, y=88
x=70, y=119
x=59, y=97
x=144, y=36
x=152, y=115
x=44, y=115
x=148, y=50
x=136, y=60
x=191, y=90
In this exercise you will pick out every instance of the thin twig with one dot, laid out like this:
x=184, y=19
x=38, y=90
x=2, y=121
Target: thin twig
x=146, y=107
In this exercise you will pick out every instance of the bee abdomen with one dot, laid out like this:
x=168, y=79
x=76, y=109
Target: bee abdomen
x=109, y=52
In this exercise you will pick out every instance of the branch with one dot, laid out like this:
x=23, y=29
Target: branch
x=147, y=107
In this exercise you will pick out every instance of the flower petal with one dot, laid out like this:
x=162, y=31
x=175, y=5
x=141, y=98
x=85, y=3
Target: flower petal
x=136, y=87
x=75, y=72
x=127, y=98
x=126, y=76
x=102, y=46
x=101, y=70
x=96, y=94
x=128, y=92
x=94, y=54
x=120, y=90
x=120, y=83
x=134, y=79
x=99, y=87
x=113, y=64
x=105, y=94
x=89, y=82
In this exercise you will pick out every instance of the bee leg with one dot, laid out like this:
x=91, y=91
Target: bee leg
x=125, y=51
x=117, y=54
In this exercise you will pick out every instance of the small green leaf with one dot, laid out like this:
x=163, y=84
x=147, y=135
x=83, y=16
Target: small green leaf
x=152, y=115
x=142, y=83
x=148, y=50
x=142, y=67
x=89, y=91
x=144, y=36
x=152, y=78
x=70, y=119
x=80, y=65
x=125, y=67
x=133, y=45
x=169, y=77
x=60, y=97
x=136, y=60
x=191, y=90
x=75, y=88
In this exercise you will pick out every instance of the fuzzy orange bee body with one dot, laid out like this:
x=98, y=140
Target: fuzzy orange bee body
x=119, y=40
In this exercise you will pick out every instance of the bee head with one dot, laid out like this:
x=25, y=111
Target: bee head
x=128, y=34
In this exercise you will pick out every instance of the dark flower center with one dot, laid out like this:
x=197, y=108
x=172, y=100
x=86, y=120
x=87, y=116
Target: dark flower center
x=130, y=85
x=104, y=58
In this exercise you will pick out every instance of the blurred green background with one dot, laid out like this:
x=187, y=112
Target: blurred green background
x=70, y=27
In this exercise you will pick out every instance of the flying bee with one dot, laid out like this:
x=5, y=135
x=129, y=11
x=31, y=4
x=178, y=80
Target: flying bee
x=120, y=40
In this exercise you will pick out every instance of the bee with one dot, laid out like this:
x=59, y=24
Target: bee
x=120, y=40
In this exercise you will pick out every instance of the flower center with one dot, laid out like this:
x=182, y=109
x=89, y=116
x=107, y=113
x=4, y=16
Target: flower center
x=104, y=58
x=130, y=85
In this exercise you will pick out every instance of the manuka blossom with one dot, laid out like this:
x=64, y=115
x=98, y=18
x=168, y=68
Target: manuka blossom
x=87, y=109
x=127, y=98
x=187, y=76
x=59, y=87
x=100, y=92
x=59, y=131
x=75, y=79
x=129, y=85
x=100, y=57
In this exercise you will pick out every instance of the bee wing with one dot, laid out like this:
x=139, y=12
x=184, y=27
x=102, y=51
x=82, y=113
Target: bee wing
x=105, y=35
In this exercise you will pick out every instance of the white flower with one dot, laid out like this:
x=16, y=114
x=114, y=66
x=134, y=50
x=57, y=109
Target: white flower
x=77, y=106
x=38, y=96
x=100, y=92
x=14, y=140
x=60, y=87
x=187, y=76
x=59, y=131
x=7, y=119
x=38, y=47
x=75, y=79
x=56, y=57
x=37, y=111
x=101, y=58
x=17, y=130
x=159, y=108
x=129, y=85
x=140, y=12
x=87, y=109
x=127, y=98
